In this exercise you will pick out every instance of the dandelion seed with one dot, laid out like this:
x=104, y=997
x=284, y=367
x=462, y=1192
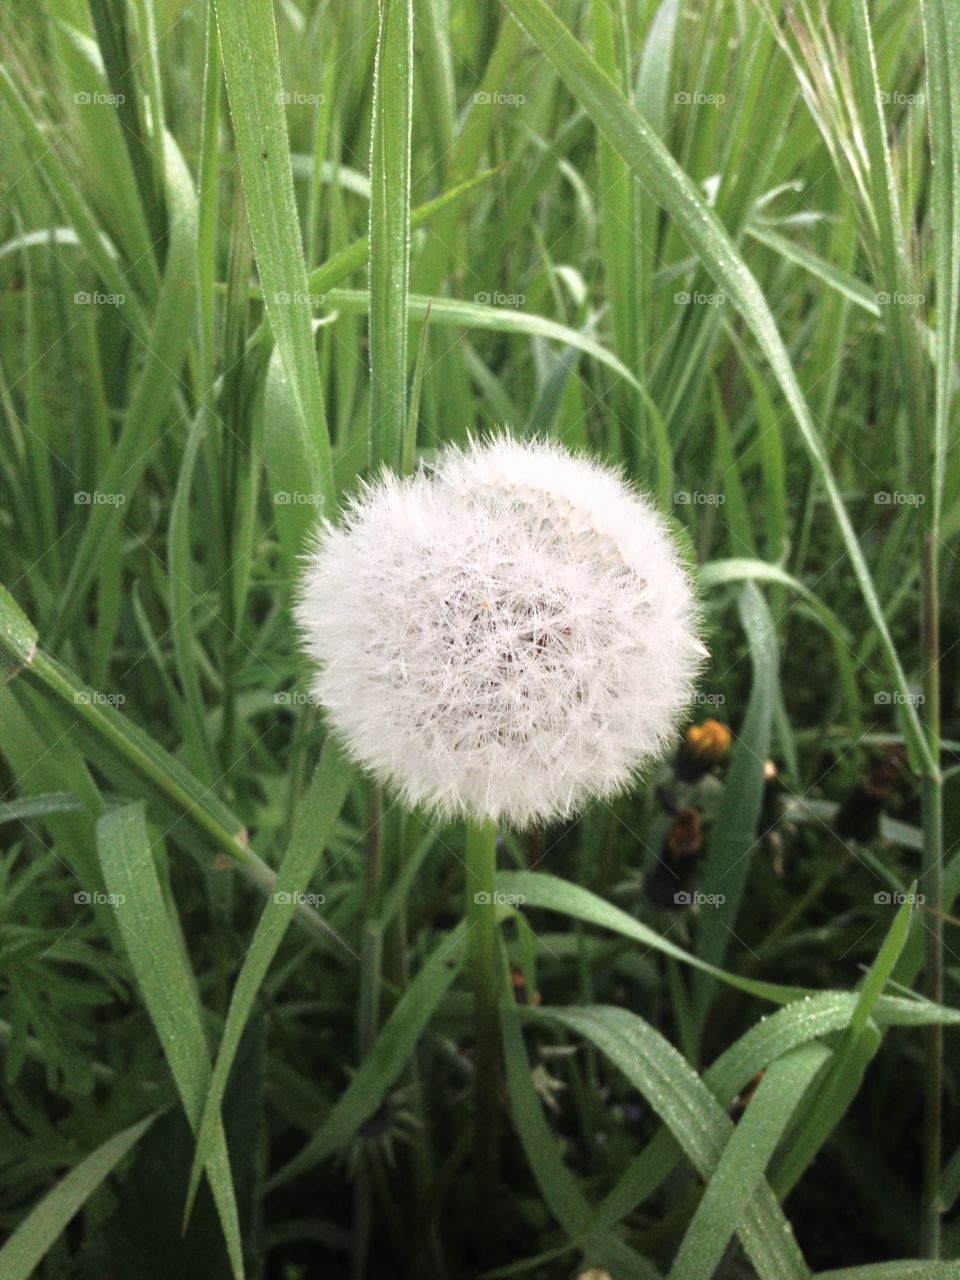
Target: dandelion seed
x=504, y=636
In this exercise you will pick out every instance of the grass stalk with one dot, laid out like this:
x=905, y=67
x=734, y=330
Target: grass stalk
x=482, y=921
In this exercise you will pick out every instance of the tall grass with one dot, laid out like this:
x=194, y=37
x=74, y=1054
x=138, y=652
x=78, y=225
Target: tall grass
x=250, y=253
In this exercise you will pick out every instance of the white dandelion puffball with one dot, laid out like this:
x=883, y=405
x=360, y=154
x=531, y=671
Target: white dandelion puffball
x=503, y=636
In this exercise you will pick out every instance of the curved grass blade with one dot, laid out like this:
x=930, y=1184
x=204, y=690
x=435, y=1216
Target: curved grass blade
x=316, y=816
x=21, y=1255
x=695, y=1118
x=741, y=1167
x=537, y=889
x=168, y=989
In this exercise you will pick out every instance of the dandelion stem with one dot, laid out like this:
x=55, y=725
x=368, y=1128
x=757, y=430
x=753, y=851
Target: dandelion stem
x=482, y=920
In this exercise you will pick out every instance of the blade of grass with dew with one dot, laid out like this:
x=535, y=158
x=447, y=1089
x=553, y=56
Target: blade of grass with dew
x=317, y=812
x=251, y=63
x=168, y=988
x=385, y=1060
x=538, y=889
x=859, y=1042
x=780, y=1033
x=672, y=188
x=696, y=1120
x=123, y=750
x=476, y=315
x=745, y=1157
x=735, y=831
x=556, y=1182
x=154, y=389
x=389, y=281
x=24, y=1250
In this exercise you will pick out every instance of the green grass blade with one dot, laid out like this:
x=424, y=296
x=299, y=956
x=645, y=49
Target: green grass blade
x=735, y=835
x=694, y=1117
x=21, y=1255
x=251, y=62
x=390, y=231
x=168, y=988
x=317, y=813
x=745, y=1157
x=536, y=889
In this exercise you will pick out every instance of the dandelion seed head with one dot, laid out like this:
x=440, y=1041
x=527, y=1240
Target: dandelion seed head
x=506, y=635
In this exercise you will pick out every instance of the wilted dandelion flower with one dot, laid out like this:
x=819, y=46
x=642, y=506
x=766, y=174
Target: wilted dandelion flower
x=504, y=636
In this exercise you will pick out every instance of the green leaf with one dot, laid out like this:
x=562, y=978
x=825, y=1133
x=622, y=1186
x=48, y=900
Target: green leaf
x=734, y=835
x=536, y=889
x=168, y=988
x=21, y=1255
x=745, y=1157
x=316, y=815
x=390, y=231
x=693, y=1116
x=18, y=638
x=251, y=63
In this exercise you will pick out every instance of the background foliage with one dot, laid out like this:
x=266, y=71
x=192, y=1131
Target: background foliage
x=250, y=252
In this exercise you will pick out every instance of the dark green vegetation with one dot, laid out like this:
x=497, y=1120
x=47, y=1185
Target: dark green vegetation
x=718, y=243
